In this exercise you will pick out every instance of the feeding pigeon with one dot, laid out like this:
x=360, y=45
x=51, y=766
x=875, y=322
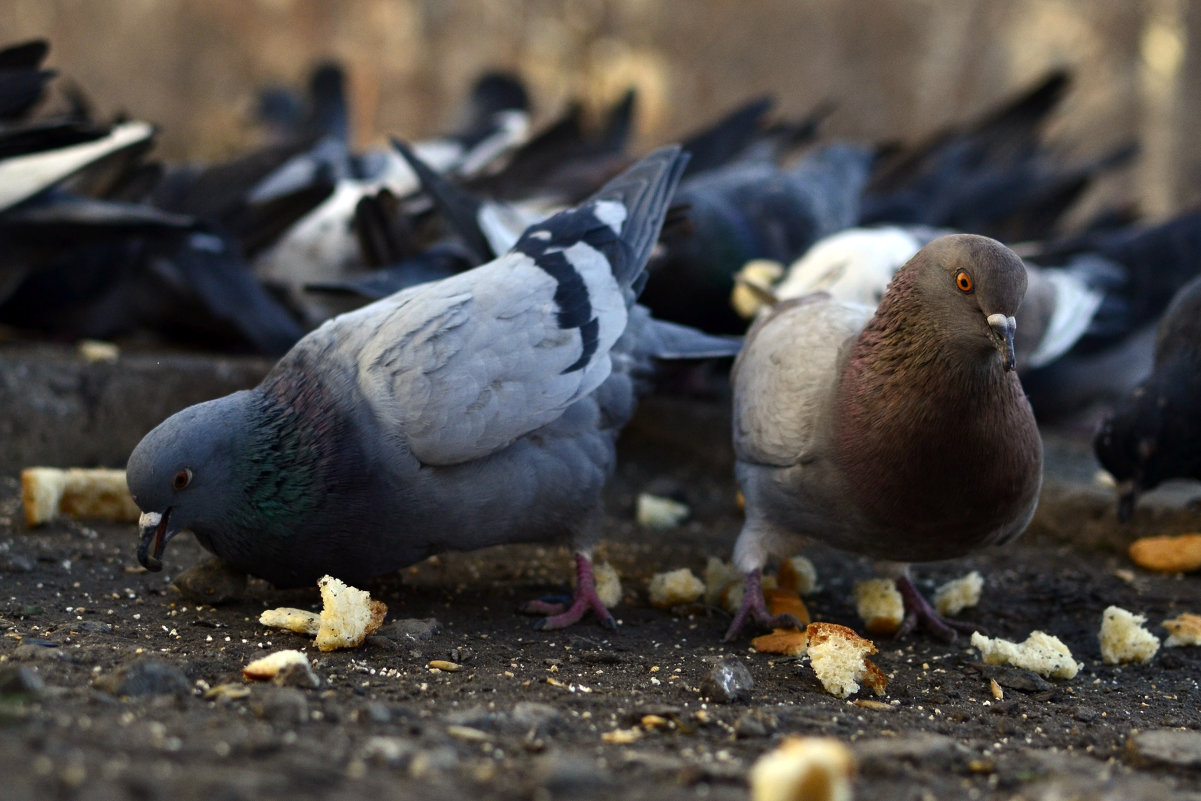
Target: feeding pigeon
x=1155, y=435
x=473, y=411
x=901, y=433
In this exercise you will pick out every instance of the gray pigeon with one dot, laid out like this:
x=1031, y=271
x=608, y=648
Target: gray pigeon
x=902, y=434
x=1155, y=434
x=473, y=411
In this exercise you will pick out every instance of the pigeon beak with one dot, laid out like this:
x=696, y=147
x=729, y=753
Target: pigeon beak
x=1127, y=495
x=154, y=537
x=1002, y=329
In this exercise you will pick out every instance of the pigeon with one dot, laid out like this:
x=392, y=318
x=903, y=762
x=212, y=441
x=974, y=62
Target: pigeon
x=468, y=412
x=899, y=433
x=1155, y=435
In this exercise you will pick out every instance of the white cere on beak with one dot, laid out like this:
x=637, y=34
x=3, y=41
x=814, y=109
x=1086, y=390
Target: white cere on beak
x=149, y=520
x=1000, y=321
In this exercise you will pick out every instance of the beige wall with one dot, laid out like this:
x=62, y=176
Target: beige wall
x=895, y=67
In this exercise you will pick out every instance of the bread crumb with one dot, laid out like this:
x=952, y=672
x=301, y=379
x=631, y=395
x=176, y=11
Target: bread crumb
x=297, y=620
x=1180, y=553
x=753, y=284
x=1041, y=653
x=1123, y=638
x=839, y=658
x=269, y=666
x=655, y=512
x=880, y=605
x=719, y=576
x=1183, y=630
x=348, y=615
x=789, y=642
x=958, y=594
x=608, y=584
x=95, y=350
x=674, y=587
x=804, y=769
x=49, y=493
x=798, y=575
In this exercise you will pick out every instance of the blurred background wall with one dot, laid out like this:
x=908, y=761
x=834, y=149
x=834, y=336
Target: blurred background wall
x=895, y=68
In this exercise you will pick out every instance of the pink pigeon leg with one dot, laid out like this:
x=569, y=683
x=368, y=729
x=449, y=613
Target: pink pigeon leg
x=560, y=616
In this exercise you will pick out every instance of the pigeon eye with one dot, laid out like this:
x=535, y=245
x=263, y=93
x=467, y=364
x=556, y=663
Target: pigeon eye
x=963, y=281
x=182, y=479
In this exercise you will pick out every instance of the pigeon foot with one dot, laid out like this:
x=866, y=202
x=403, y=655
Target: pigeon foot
x=562, y=615
x=919, y=613
x=755, y=607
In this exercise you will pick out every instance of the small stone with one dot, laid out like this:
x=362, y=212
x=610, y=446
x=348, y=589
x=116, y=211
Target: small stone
x=297, y=674
x=920, y=749
x=19, y=681
x=1181, y=749
x=410, y=630
x=150, y=677
x=37, y=652
x=537, y=719
x=750, y=726
x=284, y=705
x=211, y=582
x=94, y=627
x=16, y=562
x=566, y=775
x=728, y=682
x=1014, y=678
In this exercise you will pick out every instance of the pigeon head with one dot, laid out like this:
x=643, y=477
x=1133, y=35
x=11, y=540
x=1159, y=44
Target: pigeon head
x=971, y=286
x=179, y=474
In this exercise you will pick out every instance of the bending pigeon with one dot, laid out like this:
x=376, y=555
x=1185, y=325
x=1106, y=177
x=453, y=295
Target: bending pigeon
x=902, y=434
x=1156, y=434
x=473, y=411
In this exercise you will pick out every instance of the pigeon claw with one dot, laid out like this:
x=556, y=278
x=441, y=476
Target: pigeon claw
x=919, y=613
x=754, y=606
x=561, y=615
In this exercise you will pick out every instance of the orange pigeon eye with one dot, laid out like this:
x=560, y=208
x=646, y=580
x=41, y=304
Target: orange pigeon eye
x=963, y=281
x=182, y=479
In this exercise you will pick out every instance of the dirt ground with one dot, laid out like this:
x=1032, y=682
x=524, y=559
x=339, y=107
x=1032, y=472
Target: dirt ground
x=113, y=685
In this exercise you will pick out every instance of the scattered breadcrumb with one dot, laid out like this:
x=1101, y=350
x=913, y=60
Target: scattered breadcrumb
x=804, y=769
x=348, y=615
x=1123, y=638
x=783, y=602
x=674, y=587
x=839, y=658
x=298, y=620
x=790, y=642
x=94, y=350
x=753, y=286
x=719, y=576
x=1041, y=653
x=608, y=584
x=655, y=512
x=958, y=594
x=880, y=605
x=1180, y=553
x=49, y=493
x=1183, y=630
x=798, y=575
x=269, y=666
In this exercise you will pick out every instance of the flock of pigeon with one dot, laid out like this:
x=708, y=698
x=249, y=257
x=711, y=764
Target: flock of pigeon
x=465, y=323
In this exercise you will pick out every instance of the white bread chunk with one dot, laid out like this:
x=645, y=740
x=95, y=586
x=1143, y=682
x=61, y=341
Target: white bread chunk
x=804, y=769
x=958, y=594
x=1041, y=653
x=348, y=615
x=298, y=620
x=674, y=587
x=657, y=512
x=608, y=584
x=1184, y=629
x=270, y=666
x=1123, y=638
x=49, y=493
x=839, y=658
x=880, y=605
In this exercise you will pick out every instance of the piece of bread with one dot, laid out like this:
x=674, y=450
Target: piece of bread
x=1123, y=638
x=1041, y=653
x=608, y=584
x=719, y=577
x=958, y=594
x=49, y=493
x=839, y=658
x=880, y=605
x=789, y=642
x=657, y=512
x=804, y=769
x=297, y=620
x=1180, y=553
x=797, y=575
x=348, y=615
x=1183, y=630
x=270, y=666
x=674, y=587
x=753, y=285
